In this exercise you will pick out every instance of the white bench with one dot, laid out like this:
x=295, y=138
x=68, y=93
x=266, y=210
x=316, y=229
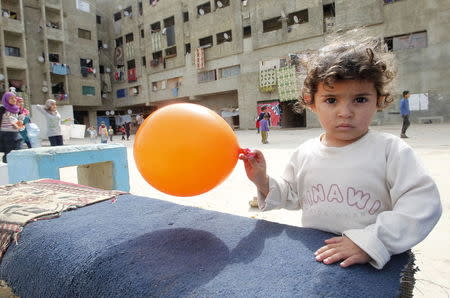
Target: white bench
x=423, y=119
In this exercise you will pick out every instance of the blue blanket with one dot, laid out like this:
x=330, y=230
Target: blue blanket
x=141, y=247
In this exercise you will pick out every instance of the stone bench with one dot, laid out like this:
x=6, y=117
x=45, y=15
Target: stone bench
x=99, y=165
x=439, y=118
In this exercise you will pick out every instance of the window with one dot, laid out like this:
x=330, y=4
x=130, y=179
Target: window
x=187, y=48
x=121, y=93
x=144, y=61
x=228, y=72
x=117, y=16
x=223, y=37
x=53, y=57
x=298, y=17
x=100, y=44
x=206, y=76
x=222, y=3
x=129, y=37
x=131, y=64
x=142, y=33
x=99, y=19
x=141, y=9
x=102, y=69
x=128, y=11
x=328, y=17
x=86, y=62
x=407, y=41
x=88, y=90
x=86, y=34
x=119, y=41
x=272, y=24
x=155, y=27
x=157, y=55
x=12, y=51
x=185, y=16
x=247, y=31
x=206, y=42
x=171, y=52
x=390, y=1
x=204, y=8
x=169, y=22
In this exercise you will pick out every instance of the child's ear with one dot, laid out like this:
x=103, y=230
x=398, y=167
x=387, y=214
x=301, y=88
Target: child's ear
x=308, y=100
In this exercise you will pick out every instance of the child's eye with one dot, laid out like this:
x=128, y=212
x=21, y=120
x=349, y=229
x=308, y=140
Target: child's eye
x=360, y=100
x=330, y=100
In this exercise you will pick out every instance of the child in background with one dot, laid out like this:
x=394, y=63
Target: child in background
x=367, y=187
x=92, y=133
x=111, y=133
x=123, y=131
x=103, y=133
x=264, y=127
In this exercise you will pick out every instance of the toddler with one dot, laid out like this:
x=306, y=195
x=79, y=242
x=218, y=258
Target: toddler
x=367, y=187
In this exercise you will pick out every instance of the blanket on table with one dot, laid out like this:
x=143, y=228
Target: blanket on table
x=143, y=247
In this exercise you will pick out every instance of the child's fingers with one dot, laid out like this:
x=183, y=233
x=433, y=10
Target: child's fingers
x=352, y=260
x=333, y=240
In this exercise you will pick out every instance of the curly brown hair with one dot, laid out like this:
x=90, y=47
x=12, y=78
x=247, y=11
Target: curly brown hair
x=349, y=59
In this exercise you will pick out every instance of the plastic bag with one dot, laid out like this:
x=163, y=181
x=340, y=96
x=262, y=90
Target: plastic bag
x=33, y=132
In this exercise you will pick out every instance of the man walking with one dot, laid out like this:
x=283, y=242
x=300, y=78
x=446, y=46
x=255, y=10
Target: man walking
x=404, y=112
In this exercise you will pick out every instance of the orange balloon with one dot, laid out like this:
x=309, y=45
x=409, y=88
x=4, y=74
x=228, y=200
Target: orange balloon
x=185, y=149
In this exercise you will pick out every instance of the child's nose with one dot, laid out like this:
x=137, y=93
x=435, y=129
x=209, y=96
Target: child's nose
x=345, y=111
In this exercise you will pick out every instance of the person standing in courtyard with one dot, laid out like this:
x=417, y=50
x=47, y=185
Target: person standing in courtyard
x=9, y=125
x=405, y=112
x=123, y=131
x=111, y=133
x=53, y=118
x=103, y=133
x=367, y=187
x=264, y=127
x=92, y=133
x=261, y=117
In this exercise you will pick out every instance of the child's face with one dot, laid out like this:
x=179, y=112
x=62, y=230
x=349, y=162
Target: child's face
x=12, y=100
x=345, y=110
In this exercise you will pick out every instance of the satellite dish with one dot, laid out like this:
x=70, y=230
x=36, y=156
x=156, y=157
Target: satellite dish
x=126, y=13
x=130, y=112
x=41, y=59
x=107, y=112
x=164, y=31
x=105, y=46
x=219, y=4
x=112, y=112
x=104, y=95
x=296, y=20
x=283, y=14
x=44, y=89
x=2, y=77
x=201, y=11
x=108, y=69
x=226, y=36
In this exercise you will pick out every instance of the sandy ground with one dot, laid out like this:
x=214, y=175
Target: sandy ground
x=431, y=142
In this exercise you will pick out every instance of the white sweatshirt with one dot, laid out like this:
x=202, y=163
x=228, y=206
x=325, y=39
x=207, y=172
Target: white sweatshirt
x=374, y=191
x=53, y=121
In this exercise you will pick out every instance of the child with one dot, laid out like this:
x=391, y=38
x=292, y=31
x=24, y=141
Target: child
x=92, y=133
x=264, y=127
x=103, y=133
x=9, y=125
x=123, y=131
x=111, y=133
x=366, y=186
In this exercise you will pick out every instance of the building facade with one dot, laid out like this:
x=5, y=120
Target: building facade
x=234, y=56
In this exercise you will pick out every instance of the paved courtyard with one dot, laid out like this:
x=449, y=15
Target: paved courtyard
x=431, y=142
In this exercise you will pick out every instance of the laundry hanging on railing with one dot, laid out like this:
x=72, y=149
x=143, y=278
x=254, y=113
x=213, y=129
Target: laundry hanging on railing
x=199, y=58
x=287, y=83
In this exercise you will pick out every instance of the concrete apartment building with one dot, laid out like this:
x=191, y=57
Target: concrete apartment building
x=233, y=56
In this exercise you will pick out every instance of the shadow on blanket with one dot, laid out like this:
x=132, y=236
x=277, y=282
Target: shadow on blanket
x=141, y=247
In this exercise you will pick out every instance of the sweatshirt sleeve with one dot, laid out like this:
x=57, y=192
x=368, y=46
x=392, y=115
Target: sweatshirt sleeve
x=41, y=109
x=283, y=191
x=416, y=208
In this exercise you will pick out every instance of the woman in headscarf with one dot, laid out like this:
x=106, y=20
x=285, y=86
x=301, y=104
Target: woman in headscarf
x=24, y=117
x=9, y=125
x=53, y=122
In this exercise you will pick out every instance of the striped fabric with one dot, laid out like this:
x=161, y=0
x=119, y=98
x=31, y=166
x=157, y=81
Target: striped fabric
x=199, y=58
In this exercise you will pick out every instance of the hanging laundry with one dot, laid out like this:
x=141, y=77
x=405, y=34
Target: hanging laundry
x=118, y=56
x=200, y=58
x=132, y=75
x=106, y=82
x=156, y=41
x=59, y=68
x=129, y=48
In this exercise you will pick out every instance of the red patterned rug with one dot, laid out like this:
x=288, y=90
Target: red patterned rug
x=41, y=199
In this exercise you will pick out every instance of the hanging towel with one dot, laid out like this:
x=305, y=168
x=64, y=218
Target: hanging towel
x=156, y=41
x=200, y=58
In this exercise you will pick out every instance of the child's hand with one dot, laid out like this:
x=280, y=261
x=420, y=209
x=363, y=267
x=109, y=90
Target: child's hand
x=341, y=248
x=255, y=167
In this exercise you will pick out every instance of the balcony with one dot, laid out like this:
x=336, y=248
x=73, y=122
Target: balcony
x=55, y=34
x=15, y=62
x=55, y=4
x=12, y=25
